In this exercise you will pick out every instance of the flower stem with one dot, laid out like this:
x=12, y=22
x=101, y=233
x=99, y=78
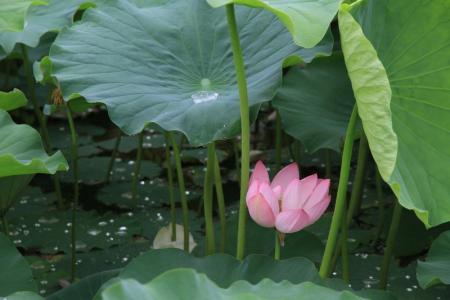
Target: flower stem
x=31, y=84
x=358, y=184
x=207, y=200
x=236, y=160
x=137, y=169
x=76, y=191
x=381, y=203
x=339, y=210
x=355, y=198
x=328, y=163
x=278, y=141
x=113, y=158
x=220, y=204
x=5, y=225
x=184, y=206
x=277, y=251
x=173, y=217
x=245, y=127
x=344, y=250
x=390, y=243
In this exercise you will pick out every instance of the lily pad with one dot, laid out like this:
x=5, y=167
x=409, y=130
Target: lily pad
x=12, y=100
x=50, y=232
x=307, y=20
x=15, y=274
x=365, y=272
x=93, y=170
x=436, y=268
x=150, y=194
x=21, y=151
x=400, y=81
x=193, y=285
x=195, y=90
x=315, y=103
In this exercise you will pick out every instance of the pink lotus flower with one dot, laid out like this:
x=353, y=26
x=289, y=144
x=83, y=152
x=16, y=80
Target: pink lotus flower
x=287, y=203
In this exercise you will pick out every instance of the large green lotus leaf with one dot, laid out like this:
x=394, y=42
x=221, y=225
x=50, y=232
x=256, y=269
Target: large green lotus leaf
x=12, y=100
x=15, y=274
x=397, y=56
x=39, y=20
x=13, y=12
x=436, y=268
x=175, y=69
x=315, y=103
x=192, y=285
x=307, y=20
x=21, y=151
x=223, y=269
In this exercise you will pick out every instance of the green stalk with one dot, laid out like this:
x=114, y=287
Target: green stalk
x=344, y=250
x=296, y=151
x=390, y=243
x=220, y=204
x=5, y=225
x=236, y=160
x=173, y=217
x=184, y=206
x=76, y=191
x=137, y=169
x=379, y=187
x=208, y=200
x=245, y=127
x=7, y=75
x=355, y=199
x=358, y=184
x=31, y=84
x=339, y=210
x=278, y=141
x=113, y=159
x=277, y=252
x=328, y=163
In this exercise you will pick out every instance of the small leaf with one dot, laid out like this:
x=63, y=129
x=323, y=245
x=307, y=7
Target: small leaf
x=21, y=151
x=12, y=100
